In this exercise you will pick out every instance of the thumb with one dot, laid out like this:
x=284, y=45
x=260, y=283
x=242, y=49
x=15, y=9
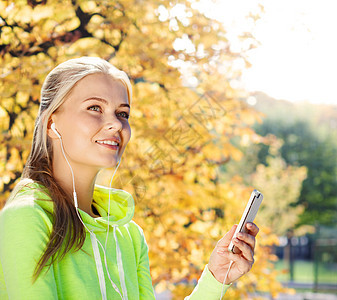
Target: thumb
x=226, y=239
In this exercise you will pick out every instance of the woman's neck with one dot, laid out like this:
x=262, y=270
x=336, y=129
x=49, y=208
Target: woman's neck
x=84, y=178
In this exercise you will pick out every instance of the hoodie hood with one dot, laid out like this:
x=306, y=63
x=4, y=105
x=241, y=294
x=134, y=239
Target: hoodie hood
x=122, y=205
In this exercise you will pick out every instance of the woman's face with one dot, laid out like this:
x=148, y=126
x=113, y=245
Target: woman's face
x=94, y=114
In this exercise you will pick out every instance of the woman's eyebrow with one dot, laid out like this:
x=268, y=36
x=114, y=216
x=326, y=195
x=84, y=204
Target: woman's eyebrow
x=105, y=102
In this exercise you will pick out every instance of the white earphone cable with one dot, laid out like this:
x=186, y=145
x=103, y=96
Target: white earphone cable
x=91, y=233
x=224, y=281
x=71, y=169
x=107, y=234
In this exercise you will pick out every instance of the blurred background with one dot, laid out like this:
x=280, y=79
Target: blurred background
x=228, y=96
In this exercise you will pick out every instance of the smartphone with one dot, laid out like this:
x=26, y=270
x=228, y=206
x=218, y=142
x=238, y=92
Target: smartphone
x=247, y=217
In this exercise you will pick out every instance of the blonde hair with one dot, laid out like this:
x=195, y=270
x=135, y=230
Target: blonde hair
x=67, y=231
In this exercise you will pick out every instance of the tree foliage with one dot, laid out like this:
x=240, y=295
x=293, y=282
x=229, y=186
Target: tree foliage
x=309, y=134
x=180, y=135
x=281, y=185
x=280, y=182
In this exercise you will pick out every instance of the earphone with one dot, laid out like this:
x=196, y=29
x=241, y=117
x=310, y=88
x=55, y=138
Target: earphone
x=54, y=129
x=91, y=232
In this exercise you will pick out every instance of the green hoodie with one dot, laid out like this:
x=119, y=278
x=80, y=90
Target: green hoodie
x=25, y=227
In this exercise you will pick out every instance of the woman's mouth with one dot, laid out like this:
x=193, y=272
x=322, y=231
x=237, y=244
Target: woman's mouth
x=109, y=144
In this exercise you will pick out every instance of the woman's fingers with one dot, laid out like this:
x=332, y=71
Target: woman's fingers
x=247, y=238
x=252, y=229
x=242, y=265
x=246, y=242
x=246, y=250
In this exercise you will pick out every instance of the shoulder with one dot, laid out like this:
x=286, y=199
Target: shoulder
x=28, y=204
x=135, y=229
x=138, y=240
x=136, y=232
x=27, y=190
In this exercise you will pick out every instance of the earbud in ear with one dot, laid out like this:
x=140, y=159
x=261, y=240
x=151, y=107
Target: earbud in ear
x=54, y=129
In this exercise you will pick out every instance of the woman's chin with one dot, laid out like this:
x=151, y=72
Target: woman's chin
x=109, y=165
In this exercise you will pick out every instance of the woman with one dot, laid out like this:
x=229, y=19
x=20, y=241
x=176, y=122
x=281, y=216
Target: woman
x=56, y=220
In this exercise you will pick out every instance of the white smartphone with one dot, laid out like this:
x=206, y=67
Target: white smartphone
x=248, y=216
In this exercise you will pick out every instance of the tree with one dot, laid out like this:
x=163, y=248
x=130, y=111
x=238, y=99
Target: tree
x=308, y=134
x=306, y=145
x=181, y=135
x=281, y=185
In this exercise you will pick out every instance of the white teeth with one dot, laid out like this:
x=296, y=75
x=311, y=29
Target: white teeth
x=108, y=142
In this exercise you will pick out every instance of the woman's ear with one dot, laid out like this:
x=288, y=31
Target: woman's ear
x=50, y=132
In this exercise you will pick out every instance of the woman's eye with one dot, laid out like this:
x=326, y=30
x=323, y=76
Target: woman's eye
x=98, y=109
x=125, y=114
x=94, y=108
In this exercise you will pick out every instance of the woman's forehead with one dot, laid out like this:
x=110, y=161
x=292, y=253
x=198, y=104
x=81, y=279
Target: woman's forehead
x=100, y=86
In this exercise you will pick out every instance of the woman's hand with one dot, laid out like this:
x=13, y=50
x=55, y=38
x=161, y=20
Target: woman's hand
x=242, y=262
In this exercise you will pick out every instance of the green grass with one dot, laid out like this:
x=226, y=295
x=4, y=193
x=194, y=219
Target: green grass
x=304, y=272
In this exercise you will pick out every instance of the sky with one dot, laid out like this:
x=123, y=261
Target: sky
x=297, y=56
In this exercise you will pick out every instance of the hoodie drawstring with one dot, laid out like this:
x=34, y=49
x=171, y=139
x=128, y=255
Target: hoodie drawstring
x=100, y=271
x=120, y=266
x=98, y=265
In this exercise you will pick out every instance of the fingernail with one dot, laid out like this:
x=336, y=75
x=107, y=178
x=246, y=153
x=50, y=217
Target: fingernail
x=236, y=240
x=240, y=235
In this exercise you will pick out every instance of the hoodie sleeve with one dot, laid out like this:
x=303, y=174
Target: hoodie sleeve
x=207, y=288
x=24, y=233
x=146, y=291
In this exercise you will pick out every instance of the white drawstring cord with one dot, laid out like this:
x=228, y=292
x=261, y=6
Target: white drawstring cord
x=120, y=266
x=223, y=285
x=99, y=267
x=105, y=261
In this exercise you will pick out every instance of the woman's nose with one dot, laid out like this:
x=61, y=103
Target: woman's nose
x=114, y=124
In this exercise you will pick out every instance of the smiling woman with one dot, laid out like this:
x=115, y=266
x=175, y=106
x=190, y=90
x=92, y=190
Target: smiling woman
x=57, y=217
